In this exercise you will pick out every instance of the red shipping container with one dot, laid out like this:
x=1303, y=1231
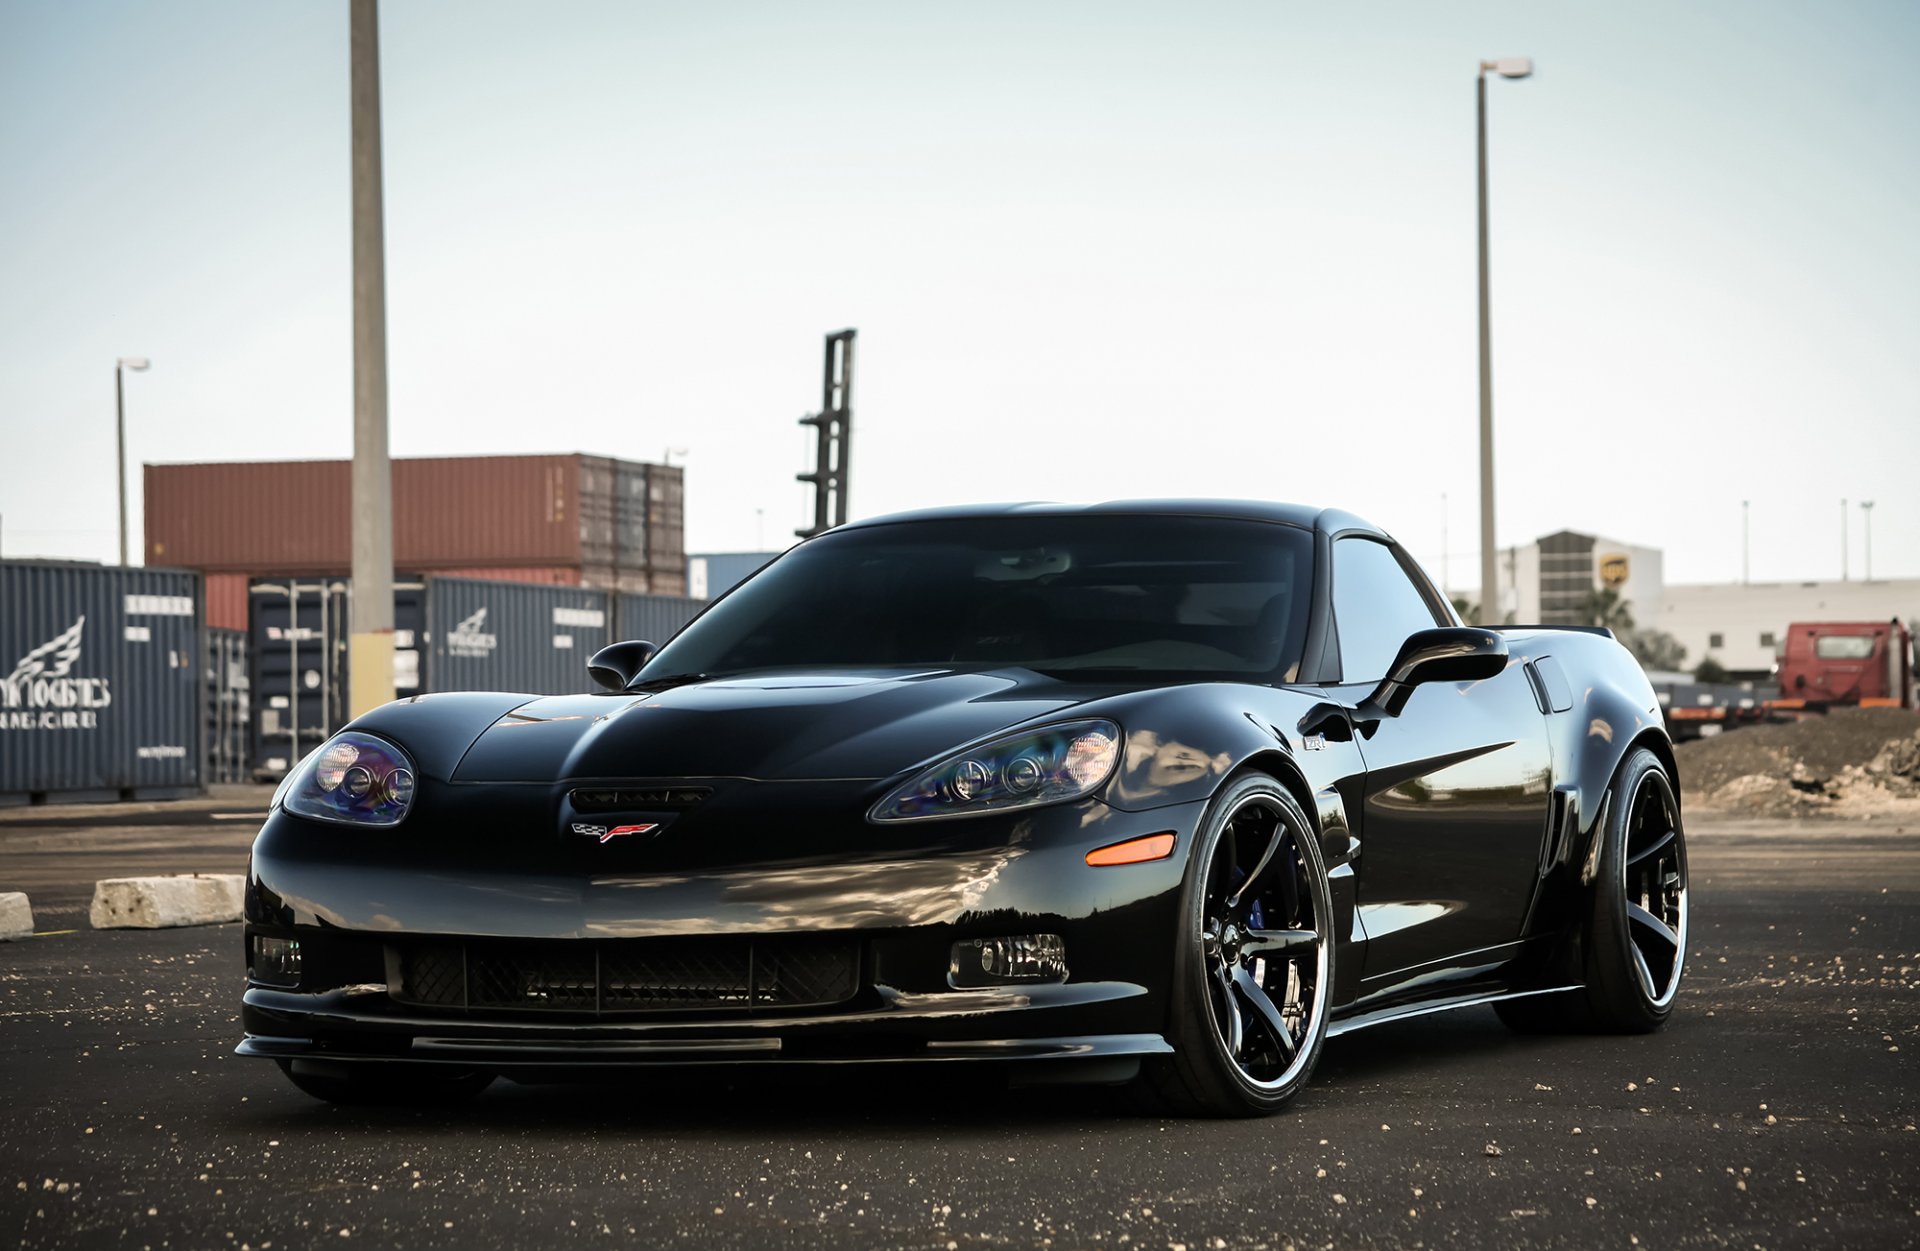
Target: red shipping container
x=227, y=600
x=467, y=512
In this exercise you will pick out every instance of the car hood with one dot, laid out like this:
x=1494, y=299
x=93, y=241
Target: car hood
x=773, y=726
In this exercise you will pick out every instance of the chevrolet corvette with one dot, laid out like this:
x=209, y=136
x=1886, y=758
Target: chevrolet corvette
x=1164, y=794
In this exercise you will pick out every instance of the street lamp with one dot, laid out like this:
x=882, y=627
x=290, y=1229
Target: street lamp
x=120, y=367
x=1866, y=524
x=1843, y=540
x=1505, y=67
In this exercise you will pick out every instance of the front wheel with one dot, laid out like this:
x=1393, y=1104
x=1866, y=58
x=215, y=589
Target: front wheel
x=1253, y=958
x=1634, y=932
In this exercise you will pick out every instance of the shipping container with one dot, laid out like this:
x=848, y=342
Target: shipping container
x=655, y=618
x=471, y=512
x=228, y=721
x=450, y=634
x=101, y=697
x=298, y=661
x=713, y=574
x=226, y=595
x=501, y=636
x=666, y=518
x=545, y=575
x=635, y=581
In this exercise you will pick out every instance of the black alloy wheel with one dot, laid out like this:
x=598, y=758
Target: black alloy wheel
x=1633, y=935
x=1654, y=888
x=1254, y=965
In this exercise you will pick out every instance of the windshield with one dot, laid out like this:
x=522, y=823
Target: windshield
x=1186, y=597
x=1843, y=646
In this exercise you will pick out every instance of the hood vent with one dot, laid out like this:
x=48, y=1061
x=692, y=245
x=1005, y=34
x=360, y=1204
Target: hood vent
x=648, y=798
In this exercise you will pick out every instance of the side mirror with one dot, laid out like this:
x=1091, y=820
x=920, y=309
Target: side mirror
x=1447, y=654
x=617, y=664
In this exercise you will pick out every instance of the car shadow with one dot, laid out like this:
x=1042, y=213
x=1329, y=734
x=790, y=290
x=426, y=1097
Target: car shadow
x=723, y=1104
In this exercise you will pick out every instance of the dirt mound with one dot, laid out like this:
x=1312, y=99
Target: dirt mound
x=1850, y=761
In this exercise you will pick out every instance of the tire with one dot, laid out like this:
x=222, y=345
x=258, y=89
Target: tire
x=1633, y=932
x=374, y=1083
x=1253, y=959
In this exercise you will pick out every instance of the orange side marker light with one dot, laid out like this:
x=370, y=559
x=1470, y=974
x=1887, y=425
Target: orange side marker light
x=1133, y=851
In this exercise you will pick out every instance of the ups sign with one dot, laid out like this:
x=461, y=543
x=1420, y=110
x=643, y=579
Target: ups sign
x=1613, y=570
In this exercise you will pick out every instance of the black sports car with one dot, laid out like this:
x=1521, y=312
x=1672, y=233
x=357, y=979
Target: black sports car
x=1164, y=792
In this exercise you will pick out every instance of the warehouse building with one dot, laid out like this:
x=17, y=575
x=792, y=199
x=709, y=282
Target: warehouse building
x=1552, y=581
x=1739, y=625
x=1742, y=624
x=570, y=520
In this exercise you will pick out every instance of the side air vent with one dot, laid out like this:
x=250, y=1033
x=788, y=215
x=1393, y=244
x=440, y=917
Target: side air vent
x=648, y=798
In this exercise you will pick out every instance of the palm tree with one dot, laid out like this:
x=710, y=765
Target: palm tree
x=1605, y=608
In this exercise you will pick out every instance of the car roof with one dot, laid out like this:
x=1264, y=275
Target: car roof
x=1306, y=516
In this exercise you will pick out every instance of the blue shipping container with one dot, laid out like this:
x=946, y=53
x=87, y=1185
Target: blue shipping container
x=100, y=694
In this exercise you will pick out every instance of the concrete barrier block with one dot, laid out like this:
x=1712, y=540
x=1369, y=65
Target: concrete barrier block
x=158, y=902
x=16, y=915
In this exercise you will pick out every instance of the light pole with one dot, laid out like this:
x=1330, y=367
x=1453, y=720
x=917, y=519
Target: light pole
x=1506, y=67
x=1866, y=525
x=370, y=649
x=1843, y=540
x=120, y=367
x=1745, y=569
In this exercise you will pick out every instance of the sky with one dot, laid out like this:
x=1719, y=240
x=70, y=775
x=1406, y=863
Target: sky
x=1093, y=251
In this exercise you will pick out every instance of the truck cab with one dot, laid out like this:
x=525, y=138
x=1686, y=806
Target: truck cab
x=1866, y=663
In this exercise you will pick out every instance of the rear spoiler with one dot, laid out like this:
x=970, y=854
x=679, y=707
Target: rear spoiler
x=1602, y=631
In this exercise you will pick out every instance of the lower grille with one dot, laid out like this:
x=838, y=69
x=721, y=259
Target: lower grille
x=626, y=976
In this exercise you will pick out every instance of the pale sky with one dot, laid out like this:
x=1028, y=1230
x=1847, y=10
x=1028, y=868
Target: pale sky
x=1093, y=250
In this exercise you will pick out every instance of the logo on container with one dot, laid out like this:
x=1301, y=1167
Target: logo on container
x=42, y=694
x=470, y=638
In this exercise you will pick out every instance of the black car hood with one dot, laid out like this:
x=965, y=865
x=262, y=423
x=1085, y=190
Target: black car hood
x=775, y=727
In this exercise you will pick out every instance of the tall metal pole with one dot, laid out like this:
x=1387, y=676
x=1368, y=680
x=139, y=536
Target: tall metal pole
x=837, y=396
x=1745, y=571
x=120, y=436
x=833, y=429
x=370, y=648
x=1489, y=554
x=1843, y=540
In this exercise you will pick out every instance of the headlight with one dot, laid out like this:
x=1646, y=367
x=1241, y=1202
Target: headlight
x=353, y=778
x=1020, y=771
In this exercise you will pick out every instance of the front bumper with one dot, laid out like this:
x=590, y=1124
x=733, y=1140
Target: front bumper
x=356, y=914
x=904, y=1028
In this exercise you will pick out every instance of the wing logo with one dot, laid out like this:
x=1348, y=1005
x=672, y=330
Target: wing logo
x=470, y=637
x=43, y=693
x=606, y=834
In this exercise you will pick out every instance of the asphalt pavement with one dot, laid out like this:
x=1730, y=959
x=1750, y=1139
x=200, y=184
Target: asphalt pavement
x=1777, y=1110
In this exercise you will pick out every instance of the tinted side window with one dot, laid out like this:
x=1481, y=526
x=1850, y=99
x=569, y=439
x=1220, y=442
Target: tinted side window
x=1375, y=607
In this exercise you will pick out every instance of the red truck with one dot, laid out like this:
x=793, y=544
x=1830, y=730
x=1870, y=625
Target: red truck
x=1834, y=663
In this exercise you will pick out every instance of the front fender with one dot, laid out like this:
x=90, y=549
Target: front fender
x=437, y=730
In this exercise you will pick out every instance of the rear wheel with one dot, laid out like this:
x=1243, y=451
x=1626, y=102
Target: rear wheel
x=1634, y=933
x=1253, y=962
x=371, y=1082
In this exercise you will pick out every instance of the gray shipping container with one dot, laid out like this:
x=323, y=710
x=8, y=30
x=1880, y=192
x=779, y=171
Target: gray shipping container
x=228, y=705
x=100, y=689
x=297, y=660
x=655, y=618
x=511, y=636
